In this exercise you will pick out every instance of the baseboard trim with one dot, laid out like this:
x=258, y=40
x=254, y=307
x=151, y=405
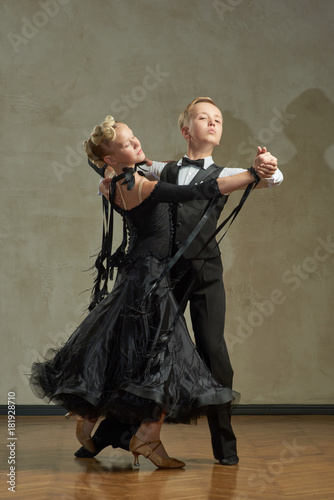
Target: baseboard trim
x=279, y=409
x=263, y=409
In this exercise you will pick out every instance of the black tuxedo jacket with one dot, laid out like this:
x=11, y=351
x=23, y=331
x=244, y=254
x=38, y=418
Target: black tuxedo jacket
x=187, y=215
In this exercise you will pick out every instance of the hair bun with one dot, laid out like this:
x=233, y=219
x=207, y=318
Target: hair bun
x=109, y=131
x=105, y=131
x=97, y=135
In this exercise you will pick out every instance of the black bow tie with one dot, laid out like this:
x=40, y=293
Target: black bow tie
x=197, y=163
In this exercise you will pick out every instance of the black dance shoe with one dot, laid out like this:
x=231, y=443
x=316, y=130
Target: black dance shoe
x=110, y=432
x=99, y=444
x=233, y=460
x=83, y=453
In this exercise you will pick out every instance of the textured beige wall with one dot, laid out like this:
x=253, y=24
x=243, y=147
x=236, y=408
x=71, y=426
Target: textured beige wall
x=268, y=64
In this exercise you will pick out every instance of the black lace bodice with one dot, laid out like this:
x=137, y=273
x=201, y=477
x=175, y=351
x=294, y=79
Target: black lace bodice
x=150, y=230
x=150, y=224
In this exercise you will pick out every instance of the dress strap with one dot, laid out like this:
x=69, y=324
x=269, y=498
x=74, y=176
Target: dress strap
x=140, y=187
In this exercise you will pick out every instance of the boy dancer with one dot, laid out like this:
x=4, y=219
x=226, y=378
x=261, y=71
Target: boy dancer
x=201, y=125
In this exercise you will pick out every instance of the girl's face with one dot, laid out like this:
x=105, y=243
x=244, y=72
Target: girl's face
x=126, y=148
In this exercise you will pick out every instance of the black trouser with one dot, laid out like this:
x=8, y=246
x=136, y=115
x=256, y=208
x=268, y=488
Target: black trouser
x=207, y=310
x=112, y=432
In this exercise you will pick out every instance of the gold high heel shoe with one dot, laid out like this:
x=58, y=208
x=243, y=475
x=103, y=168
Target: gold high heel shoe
x=137, y=444
x=69, y=414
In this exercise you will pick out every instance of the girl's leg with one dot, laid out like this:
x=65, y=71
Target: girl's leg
x=83, y=430
x=150, y=431
x=147, y=442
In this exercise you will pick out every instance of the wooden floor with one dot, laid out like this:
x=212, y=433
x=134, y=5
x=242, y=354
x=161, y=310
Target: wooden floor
x=280, y=457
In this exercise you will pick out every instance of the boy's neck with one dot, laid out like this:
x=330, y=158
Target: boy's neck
x=195, y=153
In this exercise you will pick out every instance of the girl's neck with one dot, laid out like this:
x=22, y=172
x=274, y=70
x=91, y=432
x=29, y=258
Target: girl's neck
x=119, y=168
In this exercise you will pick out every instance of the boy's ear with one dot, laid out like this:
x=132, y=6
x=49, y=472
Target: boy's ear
x=185, y=132
x=110, y=161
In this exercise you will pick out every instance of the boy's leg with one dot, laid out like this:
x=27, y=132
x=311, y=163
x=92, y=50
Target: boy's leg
x=207, y=308
x=110, y=432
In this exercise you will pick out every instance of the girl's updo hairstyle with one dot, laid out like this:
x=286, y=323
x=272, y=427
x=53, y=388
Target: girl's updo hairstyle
x=98, y=145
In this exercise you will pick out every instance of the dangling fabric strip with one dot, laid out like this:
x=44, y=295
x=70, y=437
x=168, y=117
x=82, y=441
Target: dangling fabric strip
x=232, y=216
x=97, y=169
x=105, y=272
x=189, y=240
x=210, y=208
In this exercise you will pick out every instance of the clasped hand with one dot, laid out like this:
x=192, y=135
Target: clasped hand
x=264, y=163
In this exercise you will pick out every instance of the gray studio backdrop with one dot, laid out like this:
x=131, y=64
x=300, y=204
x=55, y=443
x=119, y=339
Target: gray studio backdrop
x=268, y=64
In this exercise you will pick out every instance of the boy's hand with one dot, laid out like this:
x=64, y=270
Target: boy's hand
x=105, y=186
x=148, y=162
x=261, y=150
x=264, y=163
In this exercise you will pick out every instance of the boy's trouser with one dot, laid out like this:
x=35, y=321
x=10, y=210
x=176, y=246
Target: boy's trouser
x=207, y=310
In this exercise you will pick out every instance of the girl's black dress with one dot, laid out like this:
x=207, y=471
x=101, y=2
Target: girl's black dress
x=124, y=359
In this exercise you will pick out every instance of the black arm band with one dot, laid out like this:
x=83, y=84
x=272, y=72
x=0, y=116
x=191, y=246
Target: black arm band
x=254, y=173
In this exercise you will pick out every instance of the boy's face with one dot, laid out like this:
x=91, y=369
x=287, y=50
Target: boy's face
x=205, y=125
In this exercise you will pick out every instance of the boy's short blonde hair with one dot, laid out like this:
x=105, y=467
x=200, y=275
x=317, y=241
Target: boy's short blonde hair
x=184, y=116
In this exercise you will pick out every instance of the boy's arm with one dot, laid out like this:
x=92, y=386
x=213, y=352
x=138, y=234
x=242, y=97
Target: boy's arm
x=275, y=180
x=153, y=169
x=265, y=158
x=152, y=172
